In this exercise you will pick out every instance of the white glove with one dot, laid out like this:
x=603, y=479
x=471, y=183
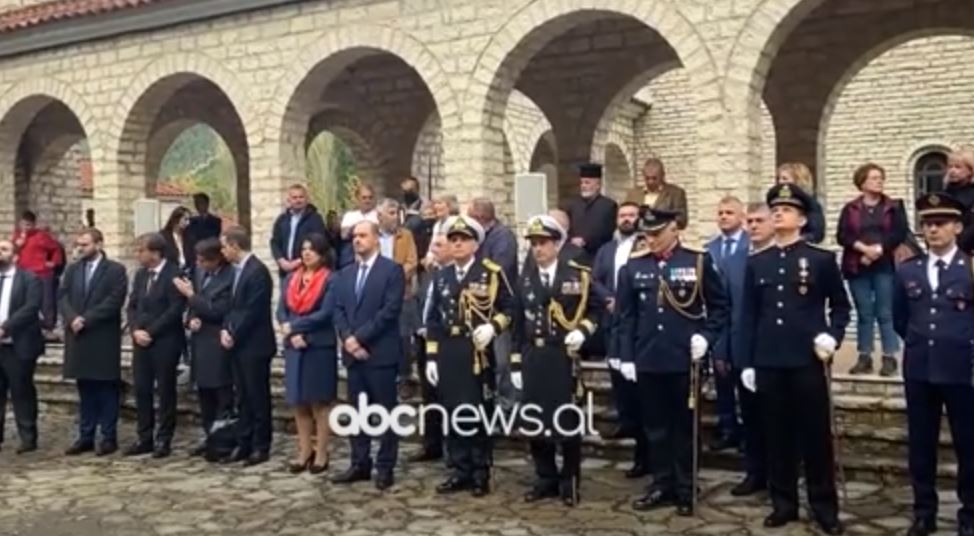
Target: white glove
x=517, y=381
x=698, y=347
x=483, y=335
x=432, y=373
x=749, y=380
x=614, y=363
x=574, y=340
x=628, y=371
x=825, y=346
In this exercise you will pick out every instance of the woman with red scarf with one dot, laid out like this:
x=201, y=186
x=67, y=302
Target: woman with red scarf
x=310, y=352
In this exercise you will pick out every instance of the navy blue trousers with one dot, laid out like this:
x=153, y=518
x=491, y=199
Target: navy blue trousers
x=99, y=404
x=379, y=386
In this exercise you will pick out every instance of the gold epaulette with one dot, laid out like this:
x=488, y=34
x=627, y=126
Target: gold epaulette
x=491, y=265
x=578, y=266
x=640, y=253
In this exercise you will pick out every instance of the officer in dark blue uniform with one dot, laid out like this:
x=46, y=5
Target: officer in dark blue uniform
x=789, y=343
x=672, y=307
x=471, y=303
x=557, y=311
x=933, y=310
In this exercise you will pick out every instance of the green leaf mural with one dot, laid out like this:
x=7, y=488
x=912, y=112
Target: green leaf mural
x=200, y=161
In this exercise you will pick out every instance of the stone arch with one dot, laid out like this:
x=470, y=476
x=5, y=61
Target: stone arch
x=371, y=167
x=529, y=31
x=794, y=52
x=427, y=160
x=618, y=170
x=41, y=122
x=319, y=64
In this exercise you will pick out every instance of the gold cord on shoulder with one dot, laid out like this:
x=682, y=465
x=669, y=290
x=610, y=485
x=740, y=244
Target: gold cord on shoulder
x=682, y=307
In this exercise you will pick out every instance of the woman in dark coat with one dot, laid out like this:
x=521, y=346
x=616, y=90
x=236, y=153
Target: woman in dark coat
x=175, y=234
x=310, y=351
x=209, y=295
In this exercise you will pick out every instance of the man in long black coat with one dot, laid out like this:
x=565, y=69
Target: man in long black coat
x=91, y=298
x=155, y=316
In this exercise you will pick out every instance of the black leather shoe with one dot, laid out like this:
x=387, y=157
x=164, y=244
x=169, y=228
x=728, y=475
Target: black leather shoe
x=637, y=471
x=384, y=481
x=162, y=450
x=353, y=474
x=24, y=448
x=79, y=447
x=105, y=448
x=539, y=492
x=139, y=448
x=749, y=486
x=652, y=500
x=425, y=455
x=198, y=451
x=724, y=443
x=684, y=509
x=256, y=458
x=779, y=519
x=480, y=488
x=238, y=455
x=922, y=526
x=830, y=526
x=453, y=485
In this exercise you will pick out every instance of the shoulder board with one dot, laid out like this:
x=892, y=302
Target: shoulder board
x=578, y=266
x=491, y=265
x=639, y=254
x=762, y=250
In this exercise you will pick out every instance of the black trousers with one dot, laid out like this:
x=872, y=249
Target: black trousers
x=625, y=398
x=432, y=420
x=668, y=422
x=252, y=385
x=155, y=371
x=925, y=403
x=470, y=457
x=378, y=384
x=543, y=454
x=17, y=376
x=795, y=407
x=755, y=452
x=215, y=403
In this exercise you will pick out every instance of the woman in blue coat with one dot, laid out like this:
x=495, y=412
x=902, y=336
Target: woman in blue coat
x=310, y=353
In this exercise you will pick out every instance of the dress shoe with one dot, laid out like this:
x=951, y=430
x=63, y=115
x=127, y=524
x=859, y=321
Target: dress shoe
x=256, y=458
x=316, y=469
x=426, y=455
x=830, y=526
x=198, y=451
x=296, y=468
x=655, y=498
x=384, y=481
x=922, y=526
x=480, y=488
x=139, y=448
x=539, y=492
x=80, y=447
x=353, y=474
x=24, y=448
x=684, y=509
x=724, y=443
x=749, y=486
x=162, y=450
x=238, y=455
x=779, y=519
x=637, y=471
x=106, y=447
x=453, y=485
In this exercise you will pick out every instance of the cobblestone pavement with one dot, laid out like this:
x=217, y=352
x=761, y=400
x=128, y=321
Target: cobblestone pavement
x=46, y=494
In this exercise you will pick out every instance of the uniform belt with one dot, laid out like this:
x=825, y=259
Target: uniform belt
x=458, y=331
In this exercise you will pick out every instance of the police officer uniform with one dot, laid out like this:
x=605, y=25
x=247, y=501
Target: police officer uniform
x=556, y=314
x=788, y=289
x=463, y=299
x=666, y=302
x=933, y=310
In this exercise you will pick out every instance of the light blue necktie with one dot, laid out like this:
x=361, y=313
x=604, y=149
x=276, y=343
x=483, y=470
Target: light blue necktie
x=360, y=283
x=728, y=248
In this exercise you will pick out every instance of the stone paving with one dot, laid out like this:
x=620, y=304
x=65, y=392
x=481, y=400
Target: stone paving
x=46, y=494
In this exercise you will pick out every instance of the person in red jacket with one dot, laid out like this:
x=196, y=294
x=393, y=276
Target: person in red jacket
x=42, y=255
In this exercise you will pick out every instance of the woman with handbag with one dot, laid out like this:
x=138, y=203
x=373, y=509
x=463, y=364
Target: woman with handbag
x=871, y=227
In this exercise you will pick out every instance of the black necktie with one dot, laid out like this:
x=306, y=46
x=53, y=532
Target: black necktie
x=545, y=280
x=207, y=276
x=941, y=270
x=152, y=281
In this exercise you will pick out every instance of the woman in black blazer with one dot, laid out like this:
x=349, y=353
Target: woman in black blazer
x=175, y=234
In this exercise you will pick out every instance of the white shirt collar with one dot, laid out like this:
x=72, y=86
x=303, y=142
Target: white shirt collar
x=551, y=271
x=736, y=236
x=10, y=272
x=369, y=261
x=244, y=260
x=948, y=258
x=466, y=268
x=158, y=269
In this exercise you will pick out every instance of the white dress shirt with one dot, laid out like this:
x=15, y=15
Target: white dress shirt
x=932, y=272
x=353, y=217
x=623, y=251
x=735, y=237
x=465, y=269
x=550, y=271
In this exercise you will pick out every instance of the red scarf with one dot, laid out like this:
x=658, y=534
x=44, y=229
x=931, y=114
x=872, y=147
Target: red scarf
x=302, y=298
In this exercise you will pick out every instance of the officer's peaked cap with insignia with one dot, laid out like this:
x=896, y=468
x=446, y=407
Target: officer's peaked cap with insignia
x=590, y=170
x=653, y=219
x=545, y=226
x=791, y=195
x=939, y=205
x=464, y=226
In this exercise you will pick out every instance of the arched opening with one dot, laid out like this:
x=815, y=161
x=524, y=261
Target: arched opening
x=185, y=124
x=544, y=159
x=333, y=172
x=46, y=164
x=618, y=173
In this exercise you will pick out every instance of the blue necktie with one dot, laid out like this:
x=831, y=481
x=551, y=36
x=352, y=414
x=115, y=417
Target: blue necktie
x=237, y=270
x=728, y=248
x=360, y=283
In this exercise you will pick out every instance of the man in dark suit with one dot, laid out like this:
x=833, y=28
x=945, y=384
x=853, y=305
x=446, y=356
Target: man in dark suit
x=593, y=216
x=21, y=343
x=91, y=300
x=290, y=228
x=367, y=309
x=208, y=296
x=202, y=226
x=610, y=259
x=155, y=316
x=248, y=335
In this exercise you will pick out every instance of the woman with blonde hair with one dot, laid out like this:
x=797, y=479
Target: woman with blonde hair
x=798, y=174
x=960, y=184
